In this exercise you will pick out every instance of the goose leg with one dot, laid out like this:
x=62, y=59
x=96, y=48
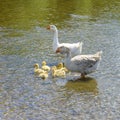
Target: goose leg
x=82, y=75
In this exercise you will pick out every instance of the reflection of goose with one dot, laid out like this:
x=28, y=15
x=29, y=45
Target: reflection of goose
x=75, y=48
x=87, y=85
x=83, y=64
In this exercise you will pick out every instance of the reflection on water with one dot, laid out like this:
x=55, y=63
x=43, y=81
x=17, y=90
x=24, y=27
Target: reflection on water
x=87, y=85
x=25, y=41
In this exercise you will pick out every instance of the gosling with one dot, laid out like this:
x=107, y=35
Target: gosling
x=37, y=70
x=43, y=75
x=61, y=66
x=58, y=72
x=45, y=67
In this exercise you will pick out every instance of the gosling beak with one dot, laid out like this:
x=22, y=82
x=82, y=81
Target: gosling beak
x=58, y=50
x=48, y=27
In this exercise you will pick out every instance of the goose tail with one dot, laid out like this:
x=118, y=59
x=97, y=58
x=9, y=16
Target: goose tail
x=98, y=55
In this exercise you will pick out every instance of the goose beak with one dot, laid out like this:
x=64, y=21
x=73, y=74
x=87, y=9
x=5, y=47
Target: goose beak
x=58, y=50
x=48, y=27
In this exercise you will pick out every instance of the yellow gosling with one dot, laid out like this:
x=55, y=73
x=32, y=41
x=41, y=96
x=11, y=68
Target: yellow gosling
x=58, y=72
x=61, y=66
x=43, y=75
x=37, y=70
x=45, y=67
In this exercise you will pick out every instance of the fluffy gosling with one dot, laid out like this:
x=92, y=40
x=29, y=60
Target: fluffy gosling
x=58, y=72
x=45, y=67
x=61, y=66
x=37, y=70
x=43, y=75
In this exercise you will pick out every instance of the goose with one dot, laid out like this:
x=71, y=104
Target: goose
x=45, y=66
x=84, y=64
x=75, y=48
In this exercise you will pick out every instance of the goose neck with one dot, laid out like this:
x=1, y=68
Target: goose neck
x=68, y=56
x=55, y=38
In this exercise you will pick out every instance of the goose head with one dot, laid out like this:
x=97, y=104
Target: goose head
x=63, y=50
x=52, y=28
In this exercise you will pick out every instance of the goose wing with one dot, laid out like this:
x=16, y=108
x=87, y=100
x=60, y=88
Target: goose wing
x=84, y=61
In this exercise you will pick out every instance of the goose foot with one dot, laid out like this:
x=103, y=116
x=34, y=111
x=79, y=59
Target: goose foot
x=82, y=75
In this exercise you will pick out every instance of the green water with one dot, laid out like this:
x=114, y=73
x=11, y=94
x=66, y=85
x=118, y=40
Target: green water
x=24, y=41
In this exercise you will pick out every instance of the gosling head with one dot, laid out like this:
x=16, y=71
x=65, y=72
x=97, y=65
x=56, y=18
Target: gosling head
x=36, y=65
x=54, y=68
x=60, y=65
x=44, y=63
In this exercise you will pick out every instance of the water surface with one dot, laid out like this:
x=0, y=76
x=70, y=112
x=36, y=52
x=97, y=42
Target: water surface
x=25, y=41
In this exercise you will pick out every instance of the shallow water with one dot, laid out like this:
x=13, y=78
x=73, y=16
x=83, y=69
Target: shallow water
x=24, y=41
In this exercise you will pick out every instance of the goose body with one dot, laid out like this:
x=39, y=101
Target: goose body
x=83, y=64
x=75, y=48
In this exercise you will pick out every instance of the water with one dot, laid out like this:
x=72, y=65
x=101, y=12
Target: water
x=24, y=41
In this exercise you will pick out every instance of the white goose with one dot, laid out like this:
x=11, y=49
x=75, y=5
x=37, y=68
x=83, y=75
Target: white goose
x=75, y=48
x=83, y=64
